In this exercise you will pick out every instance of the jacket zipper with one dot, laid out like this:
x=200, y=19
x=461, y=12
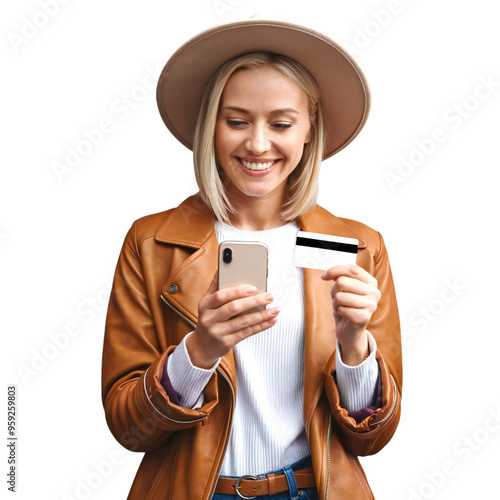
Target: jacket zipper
x=391, y=412
x=144, y=385
x=165, y=416
x=177, y=311
x=375, y=426
x=329, y=456
x=229, y=432
x=378, y=424
x=227, y=380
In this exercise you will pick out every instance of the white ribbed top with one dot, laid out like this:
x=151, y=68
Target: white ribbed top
x=268, y=423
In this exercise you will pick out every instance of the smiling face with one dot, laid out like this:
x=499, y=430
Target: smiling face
x=261, y=128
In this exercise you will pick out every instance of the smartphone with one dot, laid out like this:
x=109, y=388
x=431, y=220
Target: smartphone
x=243, y=263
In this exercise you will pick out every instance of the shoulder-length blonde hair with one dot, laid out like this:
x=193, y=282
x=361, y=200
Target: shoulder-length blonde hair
x=302, y=185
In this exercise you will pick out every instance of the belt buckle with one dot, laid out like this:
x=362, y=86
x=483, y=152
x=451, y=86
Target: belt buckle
x=237, y=486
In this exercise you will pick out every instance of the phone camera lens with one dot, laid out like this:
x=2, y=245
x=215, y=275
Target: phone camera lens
x=227, y=255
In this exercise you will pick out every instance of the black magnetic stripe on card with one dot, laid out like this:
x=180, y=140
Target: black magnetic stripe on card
x=327, y=245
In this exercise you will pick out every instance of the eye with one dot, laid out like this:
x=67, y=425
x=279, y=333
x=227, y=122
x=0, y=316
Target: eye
x=236, y=123
x=281, y=125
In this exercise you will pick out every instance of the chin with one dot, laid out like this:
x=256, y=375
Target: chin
x=256, y=192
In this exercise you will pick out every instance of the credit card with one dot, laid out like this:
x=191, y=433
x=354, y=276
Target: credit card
x=322, y=251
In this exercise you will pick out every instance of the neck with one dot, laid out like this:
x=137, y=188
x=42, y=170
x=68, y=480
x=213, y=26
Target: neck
x=254, y=213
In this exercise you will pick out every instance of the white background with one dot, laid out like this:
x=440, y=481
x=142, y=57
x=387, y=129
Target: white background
x=60, y=235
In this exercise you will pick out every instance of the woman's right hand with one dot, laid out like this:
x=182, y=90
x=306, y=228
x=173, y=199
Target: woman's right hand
x=218, y=330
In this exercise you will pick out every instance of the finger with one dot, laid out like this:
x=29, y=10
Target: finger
x=242, y=305
x=357, y=317
x=350, y=270
x=250, y=324
x=233, y=331
x=354, y=301
x=352, y=285
x=225, y=295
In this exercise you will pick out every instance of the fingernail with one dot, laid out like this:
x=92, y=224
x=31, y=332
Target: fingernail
x=323, y=276
x=269, y=297
x=250, y=289
x=274, y=310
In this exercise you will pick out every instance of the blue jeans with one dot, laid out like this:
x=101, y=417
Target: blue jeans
x=292, y=494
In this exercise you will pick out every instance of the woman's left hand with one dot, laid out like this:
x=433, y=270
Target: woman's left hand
x=355, y=297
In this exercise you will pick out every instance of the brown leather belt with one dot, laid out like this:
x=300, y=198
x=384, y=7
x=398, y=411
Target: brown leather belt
x=251, y=486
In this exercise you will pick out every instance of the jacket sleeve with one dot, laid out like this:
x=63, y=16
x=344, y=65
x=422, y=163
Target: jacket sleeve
x=138, y=410
x=371, y=434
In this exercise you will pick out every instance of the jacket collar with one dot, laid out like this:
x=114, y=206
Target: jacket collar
x=192, y=222
x=188, y=225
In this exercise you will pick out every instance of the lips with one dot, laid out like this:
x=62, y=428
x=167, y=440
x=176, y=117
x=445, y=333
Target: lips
x=257, y=166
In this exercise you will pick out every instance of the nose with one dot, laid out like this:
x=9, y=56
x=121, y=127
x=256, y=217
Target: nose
x=257, y=141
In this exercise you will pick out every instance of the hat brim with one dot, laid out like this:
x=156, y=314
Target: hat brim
x=344, y=93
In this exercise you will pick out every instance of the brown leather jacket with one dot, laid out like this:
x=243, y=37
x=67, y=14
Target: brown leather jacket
x=165, y=266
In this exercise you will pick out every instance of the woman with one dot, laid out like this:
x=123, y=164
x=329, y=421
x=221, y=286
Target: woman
x=270, y=404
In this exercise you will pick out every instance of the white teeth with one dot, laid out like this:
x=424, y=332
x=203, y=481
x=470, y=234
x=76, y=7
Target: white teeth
x=257, y=166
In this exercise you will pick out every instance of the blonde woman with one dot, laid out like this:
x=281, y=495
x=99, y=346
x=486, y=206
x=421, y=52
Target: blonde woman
x=228, y=402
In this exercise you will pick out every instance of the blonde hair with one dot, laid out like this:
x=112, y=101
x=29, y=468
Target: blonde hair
x=302, y=185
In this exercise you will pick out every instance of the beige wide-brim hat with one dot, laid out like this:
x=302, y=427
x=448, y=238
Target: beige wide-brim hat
x=344, y=93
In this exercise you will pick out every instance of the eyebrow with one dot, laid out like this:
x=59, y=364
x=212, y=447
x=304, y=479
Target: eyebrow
x=274, y=112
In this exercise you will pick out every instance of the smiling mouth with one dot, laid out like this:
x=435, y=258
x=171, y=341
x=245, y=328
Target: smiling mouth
x=256, y=166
